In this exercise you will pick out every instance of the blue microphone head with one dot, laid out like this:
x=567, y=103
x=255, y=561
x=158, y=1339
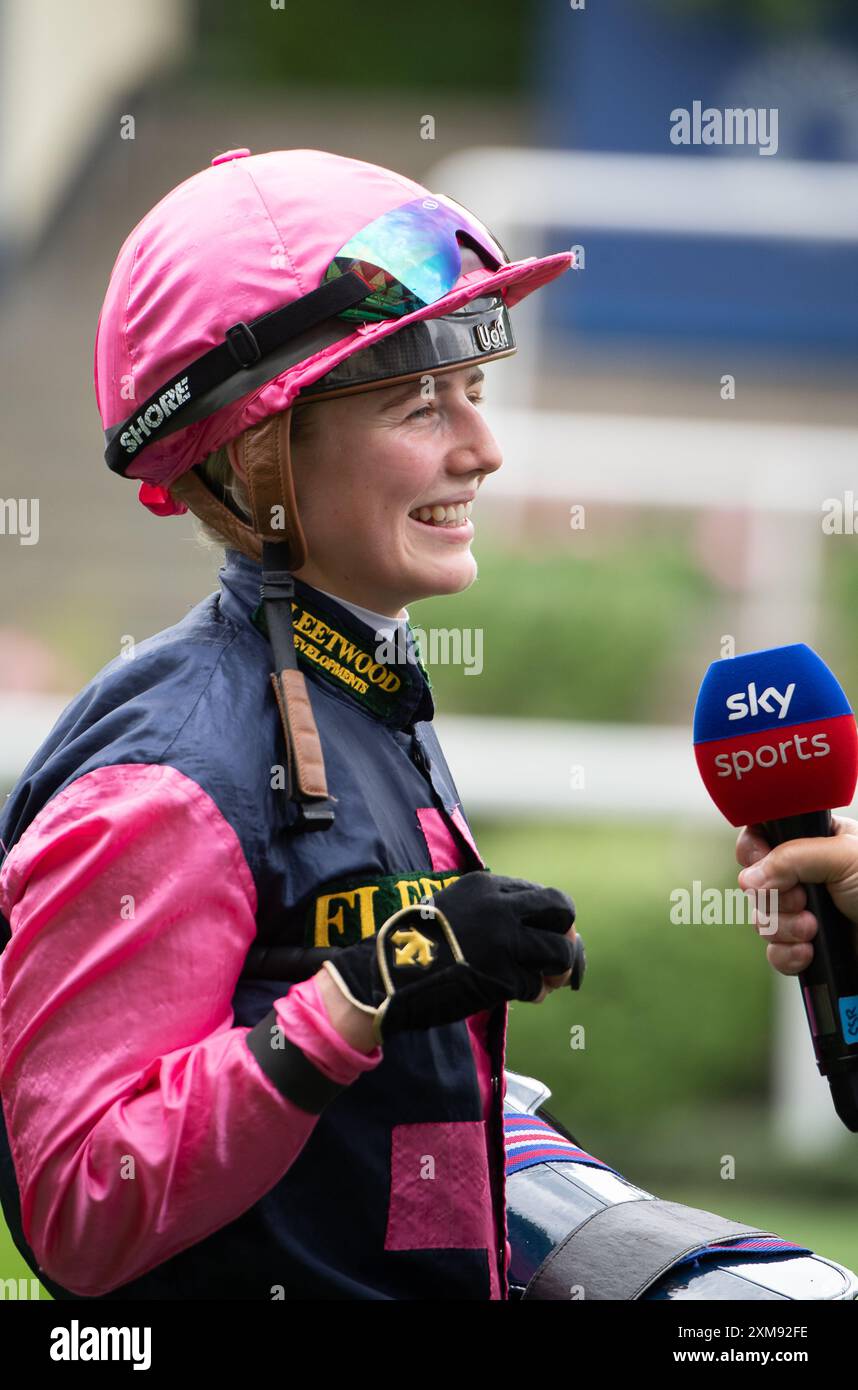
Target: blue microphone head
x=774, y=735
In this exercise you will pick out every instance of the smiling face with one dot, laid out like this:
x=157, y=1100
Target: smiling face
x=367, y=473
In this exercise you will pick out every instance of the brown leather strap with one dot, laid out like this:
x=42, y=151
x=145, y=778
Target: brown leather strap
x=296, y=713
x=262, y=455
x=191, y=490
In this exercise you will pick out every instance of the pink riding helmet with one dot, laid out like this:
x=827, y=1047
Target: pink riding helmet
x=235, y=242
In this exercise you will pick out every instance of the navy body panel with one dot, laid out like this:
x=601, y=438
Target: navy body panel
x=198, y=698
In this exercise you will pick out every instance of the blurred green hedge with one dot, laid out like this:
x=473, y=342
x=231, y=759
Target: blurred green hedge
x=678, y=1020
x=465, y=49
x=673, y=1015
x=775, y=17
x=572, y=636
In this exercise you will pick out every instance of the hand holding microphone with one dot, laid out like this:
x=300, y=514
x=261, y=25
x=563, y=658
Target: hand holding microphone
x=777, y=747
x=832, y=861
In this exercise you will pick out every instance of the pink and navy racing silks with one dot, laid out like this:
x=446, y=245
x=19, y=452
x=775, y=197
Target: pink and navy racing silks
x=154, y=1144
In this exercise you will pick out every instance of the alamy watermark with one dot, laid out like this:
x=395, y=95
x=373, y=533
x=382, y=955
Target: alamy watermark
x=439, y=646
x=19, y=516
x=734, y=125
x=840, y=515
x=706, y=907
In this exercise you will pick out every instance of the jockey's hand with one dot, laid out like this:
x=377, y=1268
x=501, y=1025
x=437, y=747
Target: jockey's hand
x=512, y=939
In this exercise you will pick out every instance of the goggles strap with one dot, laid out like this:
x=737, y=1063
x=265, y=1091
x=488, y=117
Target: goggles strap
x=174, y=404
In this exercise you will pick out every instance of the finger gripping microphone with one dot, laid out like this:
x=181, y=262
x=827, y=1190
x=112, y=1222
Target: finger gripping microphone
x=777, y=746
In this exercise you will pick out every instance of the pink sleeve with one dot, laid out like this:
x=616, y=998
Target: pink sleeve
x=133, y=1105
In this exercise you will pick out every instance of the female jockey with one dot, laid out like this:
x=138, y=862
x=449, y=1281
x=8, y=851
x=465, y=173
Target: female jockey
x=255, y=989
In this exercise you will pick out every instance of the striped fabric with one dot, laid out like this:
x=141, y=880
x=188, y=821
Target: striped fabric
x=750, y=1246
x=530, y=1140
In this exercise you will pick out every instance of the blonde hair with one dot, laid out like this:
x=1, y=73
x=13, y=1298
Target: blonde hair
x=218, y=474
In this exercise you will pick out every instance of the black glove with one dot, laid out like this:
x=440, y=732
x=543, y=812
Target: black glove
x=480, y=941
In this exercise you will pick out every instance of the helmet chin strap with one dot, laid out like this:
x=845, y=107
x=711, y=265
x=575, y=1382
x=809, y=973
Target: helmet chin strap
x=261, y=455
x=198, y=496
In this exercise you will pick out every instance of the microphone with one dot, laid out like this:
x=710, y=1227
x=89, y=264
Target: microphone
x=776, y=744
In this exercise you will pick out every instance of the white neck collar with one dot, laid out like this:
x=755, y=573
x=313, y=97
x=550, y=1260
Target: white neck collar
x=376, y=621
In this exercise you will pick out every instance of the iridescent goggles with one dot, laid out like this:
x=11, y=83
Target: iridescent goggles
x=404, y=260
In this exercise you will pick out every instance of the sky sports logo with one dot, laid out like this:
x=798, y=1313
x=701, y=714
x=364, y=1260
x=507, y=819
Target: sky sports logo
x=746, y=704
x=741, y=761
x=774, y=735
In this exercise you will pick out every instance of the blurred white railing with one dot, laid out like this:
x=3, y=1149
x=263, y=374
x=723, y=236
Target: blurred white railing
x=729, y=195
